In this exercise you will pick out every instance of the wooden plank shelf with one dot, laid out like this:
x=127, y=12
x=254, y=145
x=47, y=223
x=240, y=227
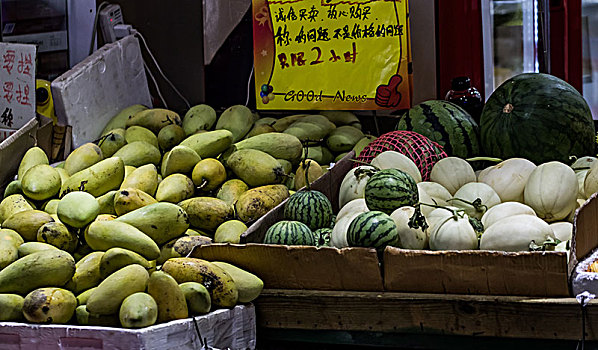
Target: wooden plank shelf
x=426, y=314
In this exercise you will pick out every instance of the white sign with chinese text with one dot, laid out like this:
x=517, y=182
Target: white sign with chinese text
x=17, y=84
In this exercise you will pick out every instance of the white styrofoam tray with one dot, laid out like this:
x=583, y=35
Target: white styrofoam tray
x=222, y=329
x=97, y=88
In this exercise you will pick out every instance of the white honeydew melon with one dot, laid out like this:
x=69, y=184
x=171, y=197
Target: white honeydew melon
x=338, y=236
x=425, y=198
x=472, y=191
x=515, y=233
x=563, y=231
x=453, y=234
x=355, y=206
x=439, y=214
x=436, y=191
x=396, y=160
x=503, y=210
x=508, y=178
x=581, y=182
x=571, y=215
x=551, y=191
x=353, y=185
x=409, y=238
x=452, y=173
x=591, y=182
x=583, y=163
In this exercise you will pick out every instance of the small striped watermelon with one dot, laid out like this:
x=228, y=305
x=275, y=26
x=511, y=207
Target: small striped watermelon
x=323, y=237
x=310, y=207
x=390, y=189
x=538, y=117
x=290, y=233
x=373, y=229
x=445, y=123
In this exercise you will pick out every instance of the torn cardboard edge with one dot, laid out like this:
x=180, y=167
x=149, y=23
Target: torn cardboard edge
x=301, y=267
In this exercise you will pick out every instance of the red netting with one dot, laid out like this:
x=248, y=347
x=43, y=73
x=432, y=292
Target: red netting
x=420, y=149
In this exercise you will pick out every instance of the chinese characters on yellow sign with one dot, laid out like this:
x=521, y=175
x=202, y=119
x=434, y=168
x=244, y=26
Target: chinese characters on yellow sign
x=331, y=54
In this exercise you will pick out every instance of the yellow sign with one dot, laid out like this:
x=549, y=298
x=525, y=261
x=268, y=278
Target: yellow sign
x=332, y=54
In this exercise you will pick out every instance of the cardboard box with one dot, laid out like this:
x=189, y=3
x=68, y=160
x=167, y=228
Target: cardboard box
x=222, y=329
x=542, y=274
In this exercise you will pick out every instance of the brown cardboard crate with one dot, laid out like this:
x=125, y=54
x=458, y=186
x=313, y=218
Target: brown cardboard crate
x=420, y=271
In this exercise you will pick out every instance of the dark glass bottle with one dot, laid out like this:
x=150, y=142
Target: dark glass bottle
x=466, y=96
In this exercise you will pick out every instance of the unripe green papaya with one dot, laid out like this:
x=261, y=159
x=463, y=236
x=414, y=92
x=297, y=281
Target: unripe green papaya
x=139, y=133
x=112, y=142
x=238, y=119
x=27, y=223
x=83, y=157
x=44, y=268
x=109, y=295
x=138, y=310
x=209, y=144
x=41, y=182
x=175, y=188
x=206, y=212
x=103, y=235
x=256, y=202
x=256, y=168
x=139, y=153
x=197, y=297
x=98, y=179
x=160, y=221
x=34, y=156
x=170, y=136
x=199, y=117
x=11, y=307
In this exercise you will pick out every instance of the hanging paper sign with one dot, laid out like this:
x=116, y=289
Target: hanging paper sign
x=17, y=84
x=331, y=54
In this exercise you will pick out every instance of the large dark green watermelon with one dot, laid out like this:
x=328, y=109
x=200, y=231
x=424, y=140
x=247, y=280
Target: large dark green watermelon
x=445, y=123
x=538, y=117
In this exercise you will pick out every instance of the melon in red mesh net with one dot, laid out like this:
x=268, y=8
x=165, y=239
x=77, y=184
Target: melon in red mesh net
x=420, y=149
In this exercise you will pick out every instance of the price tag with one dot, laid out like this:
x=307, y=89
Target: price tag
x=17, y=86
x=332, y=54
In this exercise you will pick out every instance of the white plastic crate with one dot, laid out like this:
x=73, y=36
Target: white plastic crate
x=222, y=329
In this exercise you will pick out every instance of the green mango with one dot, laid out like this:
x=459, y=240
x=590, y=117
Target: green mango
x=106, y=203
x=249, y=285
x=170, y=136
x=197, y=297
x=44, y=268
x=13, y=187
x=139, y=133
x=230, y=232
x=256, y=168
x=199, y=117
x=160, y=221
x=109, y=295
x=209, y=144
x=27, y=223
x=49, y=305
x=103, y=235
x=180, y=159
x=139, y=153
x=144, y=178
x=11, y=307
x=154, y=119
x=116, y=258
x=138, y=310
x=12, y=205
x=98, y=179
x=206, y=213
x=119, y=121
x=77, y=209
x=112, y=142
x=87, y=273
x=83, y=157
x=175, y=188
x=58, y=235
x=231, y=190
x=84, y=318
x=237, y=119
x=34, y=247
x=278, y=145
x=34, y=156
x=256, y=202
x=344, y=138
x=41, y=182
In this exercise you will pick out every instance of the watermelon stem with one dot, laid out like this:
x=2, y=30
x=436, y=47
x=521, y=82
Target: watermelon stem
x=489, y=159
